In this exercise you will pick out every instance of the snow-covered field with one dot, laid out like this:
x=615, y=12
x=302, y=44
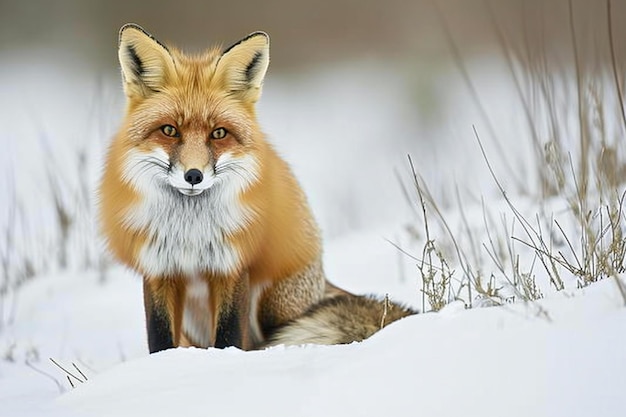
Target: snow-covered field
x=344, y=132
x=563, y=356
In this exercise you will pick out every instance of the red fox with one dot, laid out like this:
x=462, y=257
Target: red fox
x=195, y=200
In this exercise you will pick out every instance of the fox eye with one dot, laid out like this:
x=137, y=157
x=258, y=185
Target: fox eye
x=169, y=130
x=218, y=133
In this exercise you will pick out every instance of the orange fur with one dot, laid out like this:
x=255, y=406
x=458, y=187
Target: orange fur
x=195, y=96
x=195, y=200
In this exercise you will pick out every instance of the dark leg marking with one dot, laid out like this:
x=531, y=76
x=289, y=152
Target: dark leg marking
x=229, y=328
x=157, y=323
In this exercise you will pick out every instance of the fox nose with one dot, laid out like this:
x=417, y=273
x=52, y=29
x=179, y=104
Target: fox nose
x=193, y=176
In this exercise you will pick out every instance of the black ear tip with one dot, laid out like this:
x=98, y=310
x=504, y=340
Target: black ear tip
x=258, y=34
x=261, y=33
x=132, y=26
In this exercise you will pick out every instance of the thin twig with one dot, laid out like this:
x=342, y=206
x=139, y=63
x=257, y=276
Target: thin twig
x=571, y=247
x=66, y=371
x=556, y=281
x=385, y=310
x=613, y=62
x=79, y=371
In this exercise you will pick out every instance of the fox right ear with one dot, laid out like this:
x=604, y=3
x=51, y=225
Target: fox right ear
x=146, y=63
x=242, y=67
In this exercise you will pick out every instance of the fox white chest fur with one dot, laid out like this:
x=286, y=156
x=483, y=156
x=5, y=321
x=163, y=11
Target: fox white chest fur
x=186, y=235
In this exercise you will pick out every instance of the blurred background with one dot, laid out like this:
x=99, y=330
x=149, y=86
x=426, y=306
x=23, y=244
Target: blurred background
x=305, y=34
x=353, y=88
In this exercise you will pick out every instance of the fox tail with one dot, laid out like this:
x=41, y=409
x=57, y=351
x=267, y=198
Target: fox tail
x=341, y=319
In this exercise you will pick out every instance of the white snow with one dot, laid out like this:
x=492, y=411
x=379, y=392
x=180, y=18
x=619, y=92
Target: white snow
x=476, y=363
x=510, y=361
x=562, y=356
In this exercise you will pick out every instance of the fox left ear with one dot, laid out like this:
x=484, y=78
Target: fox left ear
x=145, y=62
x=243, y=66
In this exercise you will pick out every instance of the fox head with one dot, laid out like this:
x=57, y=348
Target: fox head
x=191, y=120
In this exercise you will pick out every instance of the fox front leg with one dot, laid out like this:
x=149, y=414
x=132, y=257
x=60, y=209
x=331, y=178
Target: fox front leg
x=232, y=302
x=163, y=307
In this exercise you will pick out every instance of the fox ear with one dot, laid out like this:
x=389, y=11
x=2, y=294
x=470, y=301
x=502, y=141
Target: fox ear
x=145, y=62
x=243, y=66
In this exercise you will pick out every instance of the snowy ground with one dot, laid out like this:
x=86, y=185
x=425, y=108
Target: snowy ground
x=562, y=356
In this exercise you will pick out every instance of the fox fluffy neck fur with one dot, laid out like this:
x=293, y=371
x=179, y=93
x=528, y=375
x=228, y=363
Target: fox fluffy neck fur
x=195, y=200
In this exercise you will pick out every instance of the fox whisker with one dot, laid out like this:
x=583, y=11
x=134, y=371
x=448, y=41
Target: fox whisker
x=232, y=167
x=156, y=161
x=147, y=168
